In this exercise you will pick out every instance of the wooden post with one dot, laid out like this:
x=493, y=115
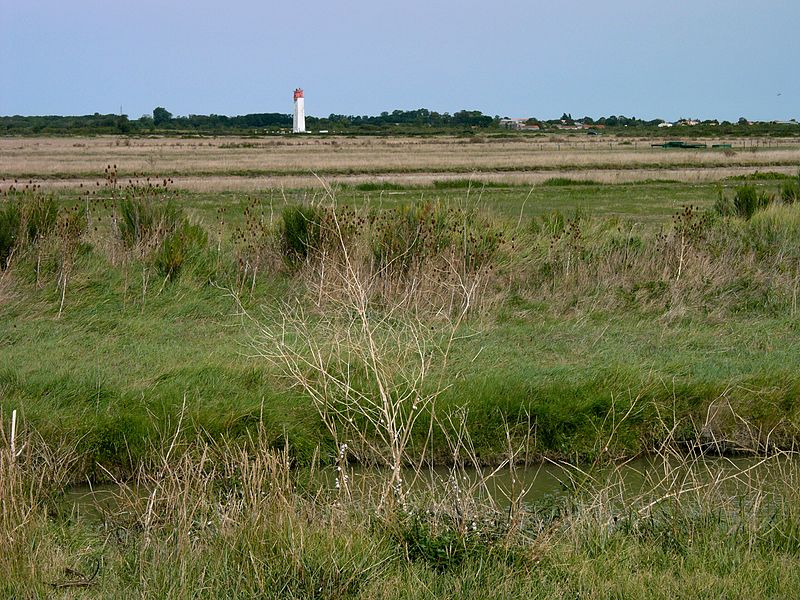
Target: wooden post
x=13, y=434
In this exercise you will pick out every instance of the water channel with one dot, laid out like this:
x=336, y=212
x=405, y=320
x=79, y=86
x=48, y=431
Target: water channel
x=548, y=480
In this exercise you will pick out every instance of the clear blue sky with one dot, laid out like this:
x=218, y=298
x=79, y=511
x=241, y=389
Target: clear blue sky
x=644, y=58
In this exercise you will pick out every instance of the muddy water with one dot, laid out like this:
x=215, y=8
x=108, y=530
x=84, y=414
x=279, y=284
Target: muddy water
x=94, y=502
x=526, y=484
x=628, y=480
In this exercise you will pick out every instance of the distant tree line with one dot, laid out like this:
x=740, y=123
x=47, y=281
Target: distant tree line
x=419, y=121
x=163, y=120
x=160, y=121
x=91, y=124
x=421, y=117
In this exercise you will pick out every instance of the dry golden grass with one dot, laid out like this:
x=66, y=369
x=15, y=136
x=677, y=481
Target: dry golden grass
x=247, y=163
x=245, y=183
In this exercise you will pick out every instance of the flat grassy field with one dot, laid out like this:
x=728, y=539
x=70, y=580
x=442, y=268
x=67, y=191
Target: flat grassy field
x=210, y=339
x=220, y=164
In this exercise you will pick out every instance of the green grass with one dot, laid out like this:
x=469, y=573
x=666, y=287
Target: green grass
x=566, y=181
x=761, y=176
x=112, y=372
x=116, y=368
x=111, y=377
x=650, y=202
x=356, y=565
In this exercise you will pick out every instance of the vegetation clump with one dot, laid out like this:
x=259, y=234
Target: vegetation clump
x=9, y=232
x=149, y=225
x=27, y=218
x=144, y=221
x=300, y=233
x=566, y=181
x=747, y=200
x=185, y=241
x=790, y=191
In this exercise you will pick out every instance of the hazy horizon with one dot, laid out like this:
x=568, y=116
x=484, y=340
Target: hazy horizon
x=705, y=59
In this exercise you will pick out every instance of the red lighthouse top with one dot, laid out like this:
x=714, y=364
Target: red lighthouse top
x=298, y=93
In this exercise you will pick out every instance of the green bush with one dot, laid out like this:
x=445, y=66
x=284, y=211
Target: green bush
x=723, y=205
x=300, y=233
x=552, y=224
x=9, y=231
x=187, y=240
x=142, y=219
x=39, y=214
x=747, y=200
x=379, y=186
x=442, y=546
x=775, y=230
x=566, y=181
x=71, y=224
x=790, y=192
x=408, y=234
x=416, y=234
x=27, y=218
x=162, y=233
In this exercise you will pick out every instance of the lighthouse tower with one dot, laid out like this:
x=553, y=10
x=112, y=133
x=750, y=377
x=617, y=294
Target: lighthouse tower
x=299, y=122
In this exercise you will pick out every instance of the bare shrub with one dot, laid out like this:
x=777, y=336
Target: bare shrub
x=367, y=360
x=368, y=372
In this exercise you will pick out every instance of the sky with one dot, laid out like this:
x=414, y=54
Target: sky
x=651, y=59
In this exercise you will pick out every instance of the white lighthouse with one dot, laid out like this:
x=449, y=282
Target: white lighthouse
x=299, y=122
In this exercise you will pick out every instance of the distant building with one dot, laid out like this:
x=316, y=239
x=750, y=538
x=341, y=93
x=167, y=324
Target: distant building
x=519, y=124
x=567, y=125
x=665, y=124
